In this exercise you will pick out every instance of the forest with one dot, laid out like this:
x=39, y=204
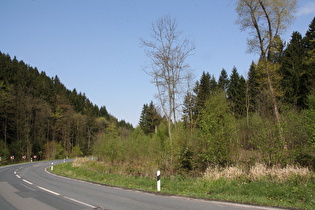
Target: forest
x=223, y=121
x=41, y=119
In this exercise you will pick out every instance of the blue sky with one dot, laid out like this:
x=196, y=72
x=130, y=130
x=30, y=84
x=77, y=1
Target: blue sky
x=94, y=45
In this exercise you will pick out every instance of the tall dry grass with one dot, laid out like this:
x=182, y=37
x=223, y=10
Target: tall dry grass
x=259, y=172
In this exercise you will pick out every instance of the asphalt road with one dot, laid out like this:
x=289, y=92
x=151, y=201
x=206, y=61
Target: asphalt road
x=30, y=186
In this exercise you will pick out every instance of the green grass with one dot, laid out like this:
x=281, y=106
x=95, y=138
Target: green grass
x=295, y=193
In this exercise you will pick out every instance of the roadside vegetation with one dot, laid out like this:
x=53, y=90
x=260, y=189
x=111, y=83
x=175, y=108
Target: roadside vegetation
x=289, y=187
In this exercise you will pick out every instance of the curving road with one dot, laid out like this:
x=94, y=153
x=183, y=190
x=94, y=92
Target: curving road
x=30, y=186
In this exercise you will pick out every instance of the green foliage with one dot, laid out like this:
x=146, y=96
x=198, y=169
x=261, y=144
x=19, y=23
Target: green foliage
x=190, y=110
x=4, y=152
x=310, y=126
x=264, y=138
x=150, y=118
x=203, y=90
x=292, y=70
x=223, y=81
x=60, y=151
x=236, y=91
x=252, y=85
x=186, y=149
x=76, y=151
x=217, y=130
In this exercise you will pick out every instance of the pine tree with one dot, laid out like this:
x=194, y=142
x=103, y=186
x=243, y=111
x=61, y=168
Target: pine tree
x=213, y=85
x=150, y=118
x=223, y=81
x=236, y=93
x=292, y=71
x=308, y=79
x=203, y=90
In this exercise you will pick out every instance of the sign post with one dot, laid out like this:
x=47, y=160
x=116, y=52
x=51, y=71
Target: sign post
x=158, y=178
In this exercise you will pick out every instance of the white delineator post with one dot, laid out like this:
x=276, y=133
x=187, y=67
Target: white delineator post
x=52, y=166
x=158, y=178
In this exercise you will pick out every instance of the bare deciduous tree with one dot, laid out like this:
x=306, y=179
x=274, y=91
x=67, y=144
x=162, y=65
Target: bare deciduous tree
x=168, y=52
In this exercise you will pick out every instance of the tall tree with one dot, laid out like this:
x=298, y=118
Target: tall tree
x=236, y=93
x=308, y=79
x=218, y=130
x=202, y=90
x=223, y=81
x=292, y=70
x=266, y=19
x=150, y=118
x=168, y=53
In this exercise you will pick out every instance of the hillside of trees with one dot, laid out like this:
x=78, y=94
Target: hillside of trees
x=40, y=117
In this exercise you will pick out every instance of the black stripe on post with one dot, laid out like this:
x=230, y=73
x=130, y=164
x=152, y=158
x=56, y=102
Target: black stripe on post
x=158, y=178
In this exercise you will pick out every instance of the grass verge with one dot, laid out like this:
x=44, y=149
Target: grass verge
x=296, y=192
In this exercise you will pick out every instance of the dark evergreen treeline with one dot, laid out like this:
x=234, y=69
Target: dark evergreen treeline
x=40, y=116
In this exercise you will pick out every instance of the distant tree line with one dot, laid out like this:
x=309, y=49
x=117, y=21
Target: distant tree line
x=40, y=116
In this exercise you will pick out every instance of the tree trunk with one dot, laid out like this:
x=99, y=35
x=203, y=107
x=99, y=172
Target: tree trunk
x=275, y=107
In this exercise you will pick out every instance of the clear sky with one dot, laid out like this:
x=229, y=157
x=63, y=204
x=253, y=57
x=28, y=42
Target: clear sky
x=94, y=45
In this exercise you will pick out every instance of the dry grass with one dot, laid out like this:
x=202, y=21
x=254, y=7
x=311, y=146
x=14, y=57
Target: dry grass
x=258, y=172
x=79, y=162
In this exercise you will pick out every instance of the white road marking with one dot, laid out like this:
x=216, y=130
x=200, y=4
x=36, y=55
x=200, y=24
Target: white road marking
x=80, y=202
x=26, y=181
x=18, y=176
x=52, y=192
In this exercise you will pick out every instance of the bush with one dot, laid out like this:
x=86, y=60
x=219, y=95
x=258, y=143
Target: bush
x=218, y=131
x=306, y=160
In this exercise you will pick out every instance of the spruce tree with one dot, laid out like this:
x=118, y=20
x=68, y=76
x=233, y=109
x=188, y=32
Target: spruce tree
x=150, y=118
x=236, y=93
x=308, y=79
x=223, y=81
x=292, y=71
x=202, y=89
